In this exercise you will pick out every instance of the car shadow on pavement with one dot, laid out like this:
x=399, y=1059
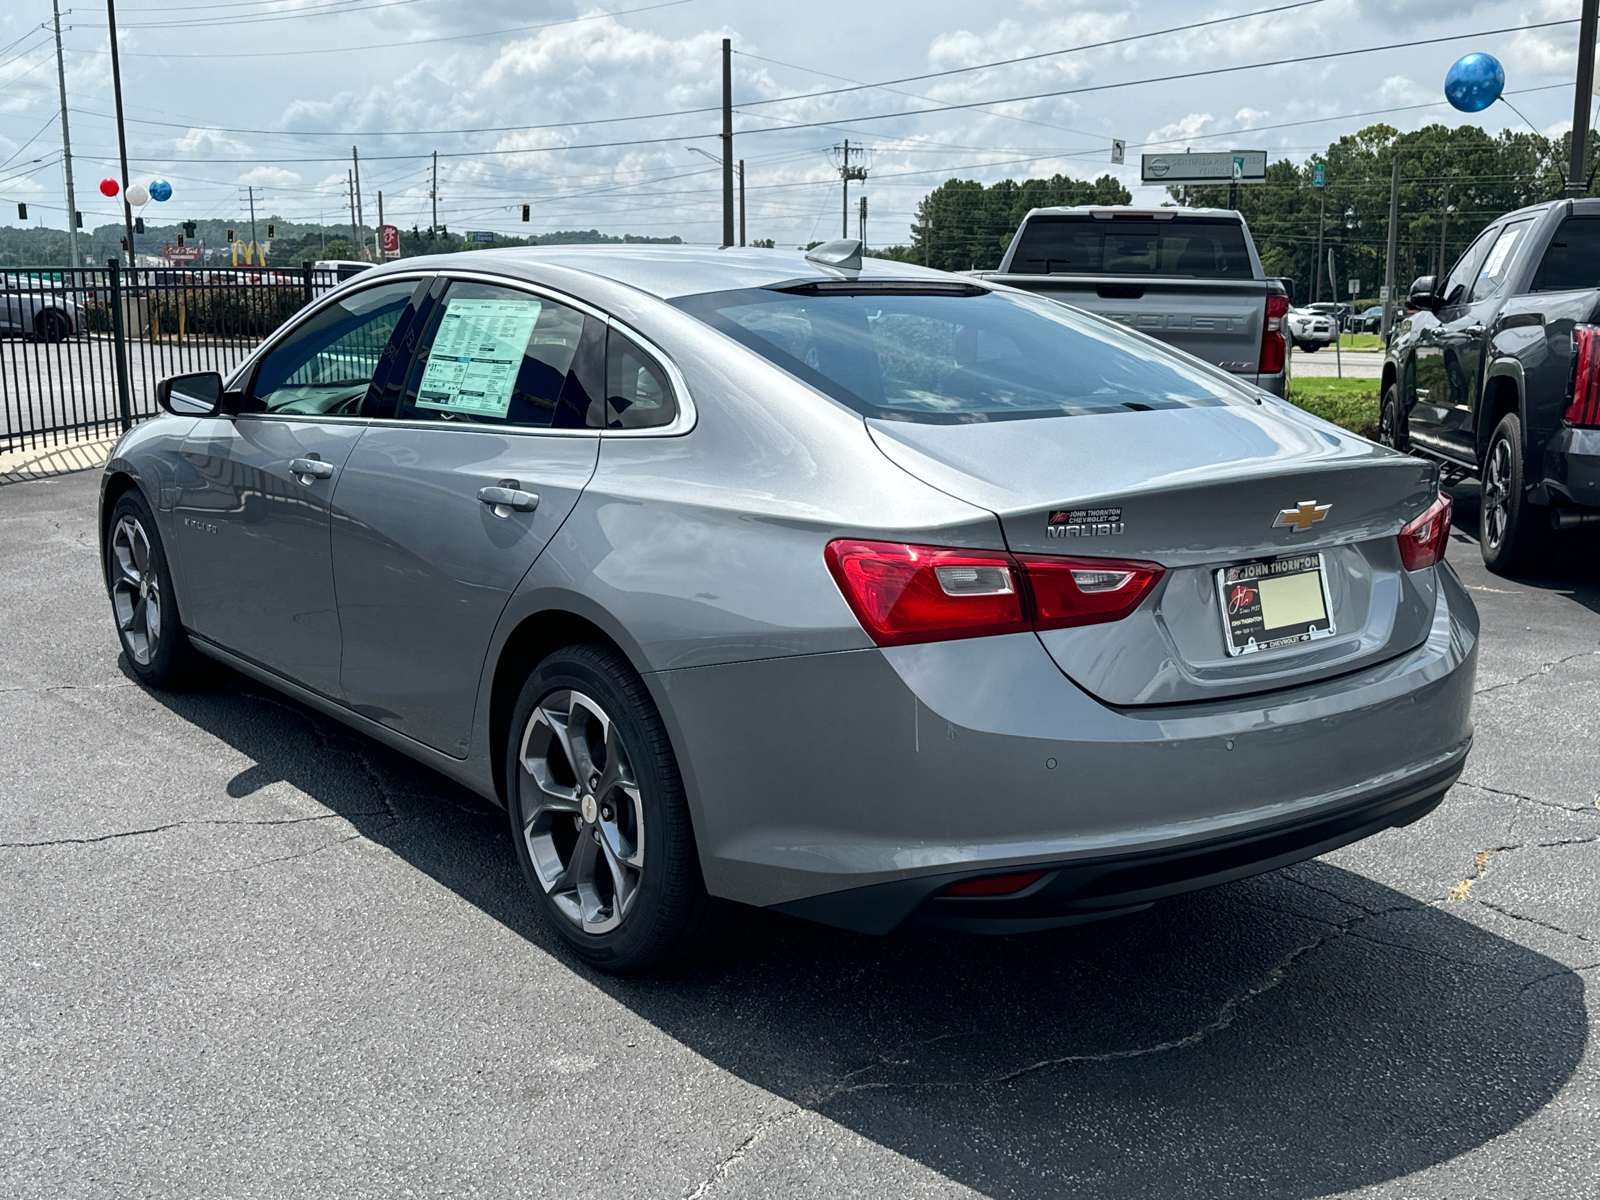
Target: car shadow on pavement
x=1306, y=1032
x=1571, y=566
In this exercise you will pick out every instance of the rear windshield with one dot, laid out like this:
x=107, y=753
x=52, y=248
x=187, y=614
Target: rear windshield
x=1200, y=247
x=951, y=358
x=1572, y=260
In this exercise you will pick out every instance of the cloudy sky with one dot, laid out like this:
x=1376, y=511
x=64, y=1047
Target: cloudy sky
x=584, y=110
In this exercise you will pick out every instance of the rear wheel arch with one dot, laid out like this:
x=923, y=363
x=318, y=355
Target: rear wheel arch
x=1388, y=379
x=1502, y=394
x=535, y=637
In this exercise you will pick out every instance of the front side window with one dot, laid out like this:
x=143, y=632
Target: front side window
x=951, y=357
x=1496, y=269
x=1466, y=270
x=499, y=356
x=1572, y=260
x=327, y=364
x=1205, y=248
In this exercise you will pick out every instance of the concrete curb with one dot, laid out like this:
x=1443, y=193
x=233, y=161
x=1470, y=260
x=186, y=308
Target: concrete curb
x=43, y=462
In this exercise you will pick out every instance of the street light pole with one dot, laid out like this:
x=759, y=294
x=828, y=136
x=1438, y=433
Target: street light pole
x=1577, y=181
x=122, y=137
x=1388, y=267
x=727, y=141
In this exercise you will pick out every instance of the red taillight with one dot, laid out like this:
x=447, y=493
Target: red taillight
x=926, y=593
x=1422, y=542
x=1086, y=591
x=995, y=885
x=1273, y=350
x=1583, y=385
x=902, y=593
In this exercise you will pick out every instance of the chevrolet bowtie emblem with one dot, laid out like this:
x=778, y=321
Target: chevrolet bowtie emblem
x=1303, y=516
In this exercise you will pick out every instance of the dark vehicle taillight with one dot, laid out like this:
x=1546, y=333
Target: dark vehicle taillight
x=904, y=593
x=1422, y=542
x=995, y=885
x=1272, y=345
x=1583, y=383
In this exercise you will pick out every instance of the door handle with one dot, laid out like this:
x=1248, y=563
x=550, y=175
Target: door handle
x=1473, y=331
x=308, y=469
x=503, y=500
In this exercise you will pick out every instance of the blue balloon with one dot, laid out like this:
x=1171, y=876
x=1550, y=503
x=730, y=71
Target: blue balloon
x=160, y=189
x=1474, y=82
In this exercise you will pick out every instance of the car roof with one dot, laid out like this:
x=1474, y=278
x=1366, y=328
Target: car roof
x=668, y=272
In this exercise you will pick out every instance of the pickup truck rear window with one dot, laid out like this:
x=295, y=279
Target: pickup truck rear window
x=1572, y=260
x=1202, y=248
x=952, y=358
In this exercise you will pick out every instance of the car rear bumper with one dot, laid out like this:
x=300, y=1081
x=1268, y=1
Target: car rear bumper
x=1572, y=465
x=817, y=780
x=1271, y=383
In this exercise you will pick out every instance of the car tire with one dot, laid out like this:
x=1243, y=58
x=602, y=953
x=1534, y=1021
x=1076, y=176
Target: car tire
x=144, y=604
x=51, y=325
x=1513, y=531
x=599, y=817
x=1393, y=430
x=1311, y=347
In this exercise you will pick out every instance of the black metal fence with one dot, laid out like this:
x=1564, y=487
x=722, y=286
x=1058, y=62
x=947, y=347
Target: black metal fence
x=81, y=349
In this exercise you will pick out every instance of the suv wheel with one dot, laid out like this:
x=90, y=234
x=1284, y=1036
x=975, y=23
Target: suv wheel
x=1512, y=529
x=599, y=817
x=1392, y=429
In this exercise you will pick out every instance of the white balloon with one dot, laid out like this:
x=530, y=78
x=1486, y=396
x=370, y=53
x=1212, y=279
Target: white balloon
x=138, y=195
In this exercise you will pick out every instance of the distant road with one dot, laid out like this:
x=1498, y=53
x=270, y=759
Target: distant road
x=1358, y=364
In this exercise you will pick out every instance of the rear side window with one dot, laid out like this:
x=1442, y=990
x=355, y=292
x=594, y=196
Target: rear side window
x=951, y=358
x=1198, y=247
x=1572, y=260
x=638, y=393
x=500, y=356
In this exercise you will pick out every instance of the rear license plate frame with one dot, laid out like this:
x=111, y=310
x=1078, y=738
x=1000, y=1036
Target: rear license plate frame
x=1244, y=628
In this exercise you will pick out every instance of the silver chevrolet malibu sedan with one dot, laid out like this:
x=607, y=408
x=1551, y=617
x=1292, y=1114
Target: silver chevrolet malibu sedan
x=867, y=593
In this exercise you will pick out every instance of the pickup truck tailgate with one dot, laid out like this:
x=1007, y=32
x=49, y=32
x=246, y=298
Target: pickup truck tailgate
x=1217, y=320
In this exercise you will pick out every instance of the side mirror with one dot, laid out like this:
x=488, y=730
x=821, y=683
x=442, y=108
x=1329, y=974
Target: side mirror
x=1422, y=293
x=197, y=395
x=1288, y=286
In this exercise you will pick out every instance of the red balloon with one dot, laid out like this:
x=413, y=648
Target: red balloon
x=108, y=187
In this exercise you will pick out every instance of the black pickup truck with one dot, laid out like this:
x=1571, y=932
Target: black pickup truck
x=1497, y=374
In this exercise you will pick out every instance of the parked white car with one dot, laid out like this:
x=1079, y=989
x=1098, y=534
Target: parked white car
x=36, y=308
x=1309, y=330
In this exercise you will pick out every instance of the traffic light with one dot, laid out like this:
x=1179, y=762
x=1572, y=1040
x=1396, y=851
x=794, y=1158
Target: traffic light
x=180, y=239
x=188, y=229
x=138, y=224
x=124, y=242
x=230, y=235
x=526, y=208
x=22, y=212
x=79, y=216
x=271, y=231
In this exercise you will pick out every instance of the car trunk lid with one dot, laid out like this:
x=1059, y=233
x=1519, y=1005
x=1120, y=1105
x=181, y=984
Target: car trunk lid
x=1196, y=490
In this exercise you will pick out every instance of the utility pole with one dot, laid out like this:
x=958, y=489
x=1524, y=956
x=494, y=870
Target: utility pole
x=66, y=143
x=847, y=173
x=1316, y=286
x=251, y=188
x=1577, y=181
x=350, y=188
x=361, y=216
x=1388, y=266
x=741, y=202
x=1444, y=223
x=122, y=137
x=861, y=223
x=433, y=195
x=378, y=237
x=727, y=141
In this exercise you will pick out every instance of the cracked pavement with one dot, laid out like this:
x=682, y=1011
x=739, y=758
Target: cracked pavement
x=248, y=952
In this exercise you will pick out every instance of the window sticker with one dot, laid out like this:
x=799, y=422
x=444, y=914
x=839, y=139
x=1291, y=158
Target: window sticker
x=476, y=356
x=1502, y=251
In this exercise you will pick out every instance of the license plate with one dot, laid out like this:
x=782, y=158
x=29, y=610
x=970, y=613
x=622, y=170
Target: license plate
x=1274, y=603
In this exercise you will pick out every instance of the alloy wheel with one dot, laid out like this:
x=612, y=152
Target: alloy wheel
x=135, y=590
x=1497, y=492
x=581, y=814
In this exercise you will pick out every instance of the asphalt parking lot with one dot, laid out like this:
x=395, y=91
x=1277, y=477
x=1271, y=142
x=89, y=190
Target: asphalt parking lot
x=249, y=953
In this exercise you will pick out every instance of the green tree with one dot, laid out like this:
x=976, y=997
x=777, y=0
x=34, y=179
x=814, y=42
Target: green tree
x=963, y=225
